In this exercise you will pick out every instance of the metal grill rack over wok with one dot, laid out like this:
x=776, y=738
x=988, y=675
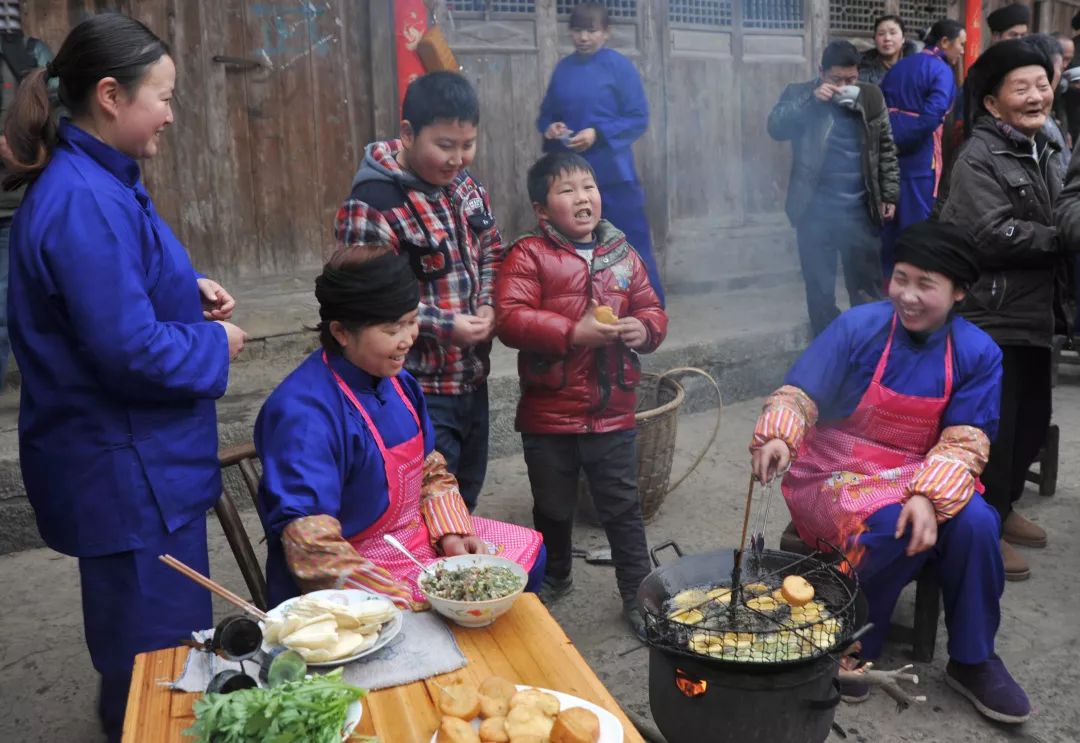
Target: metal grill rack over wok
x=750, y=624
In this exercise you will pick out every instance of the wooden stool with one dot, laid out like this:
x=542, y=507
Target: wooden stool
x=1046, y=477
x=922, y=635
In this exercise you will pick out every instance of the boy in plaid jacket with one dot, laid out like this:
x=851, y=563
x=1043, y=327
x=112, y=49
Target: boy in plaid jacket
x=441, y=218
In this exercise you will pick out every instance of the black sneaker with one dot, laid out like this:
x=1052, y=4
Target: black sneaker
x=552, y=589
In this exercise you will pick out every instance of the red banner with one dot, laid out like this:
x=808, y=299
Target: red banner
x=410, y=23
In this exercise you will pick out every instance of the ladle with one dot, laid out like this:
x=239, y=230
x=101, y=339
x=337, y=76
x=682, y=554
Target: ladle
x=393, y=542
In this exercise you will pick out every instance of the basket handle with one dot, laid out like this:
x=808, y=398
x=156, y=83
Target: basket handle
x=716, y=428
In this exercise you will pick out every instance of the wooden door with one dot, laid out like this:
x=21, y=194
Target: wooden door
x=726, y=65
x=775, y=49
x=273, y=107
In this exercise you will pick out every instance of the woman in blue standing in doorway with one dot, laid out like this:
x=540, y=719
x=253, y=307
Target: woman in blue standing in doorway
x=122, y=346
x=595, y=105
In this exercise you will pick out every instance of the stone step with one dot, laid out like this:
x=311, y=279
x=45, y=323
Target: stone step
x=745, y=339
x=705, y=257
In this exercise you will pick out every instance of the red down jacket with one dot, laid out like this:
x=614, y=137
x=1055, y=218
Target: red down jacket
x=543, y=288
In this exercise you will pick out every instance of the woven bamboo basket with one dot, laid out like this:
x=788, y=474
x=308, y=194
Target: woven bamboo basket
x=659, y=398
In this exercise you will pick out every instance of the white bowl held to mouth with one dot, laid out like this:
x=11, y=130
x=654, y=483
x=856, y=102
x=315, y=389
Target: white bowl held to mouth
x=474, y=613
x=846, y=96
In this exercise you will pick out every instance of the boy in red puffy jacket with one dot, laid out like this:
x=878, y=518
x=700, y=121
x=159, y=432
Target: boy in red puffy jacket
x=578, y=368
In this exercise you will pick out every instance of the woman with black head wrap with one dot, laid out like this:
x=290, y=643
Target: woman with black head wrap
x=347, y=448
x=883, y=427
x=1004, y=189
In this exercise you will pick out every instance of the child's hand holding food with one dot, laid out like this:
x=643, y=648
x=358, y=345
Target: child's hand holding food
x=632, y=332
x=590, y=332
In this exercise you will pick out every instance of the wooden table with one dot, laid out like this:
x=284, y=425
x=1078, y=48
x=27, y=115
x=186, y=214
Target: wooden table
x=525, y=645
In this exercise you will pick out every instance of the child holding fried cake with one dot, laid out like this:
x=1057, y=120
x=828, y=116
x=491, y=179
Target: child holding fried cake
x=574, y=298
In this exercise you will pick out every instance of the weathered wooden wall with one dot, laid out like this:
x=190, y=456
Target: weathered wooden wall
x=265, y=144
x=711, y=73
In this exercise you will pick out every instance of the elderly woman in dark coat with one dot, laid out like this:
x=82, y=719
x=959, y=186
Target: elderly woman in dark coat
x=1003, y=187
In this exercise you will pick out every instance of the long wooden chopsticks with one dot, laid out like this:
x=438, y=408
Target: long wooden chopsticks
x=213, y=586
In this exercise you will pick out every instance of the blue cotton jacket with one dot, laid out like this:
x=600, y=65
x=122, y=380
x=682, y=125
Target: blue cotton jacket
x=837, y=367
x=602, y=91
x=919, y=91
x=117, y=425
x=319, y=457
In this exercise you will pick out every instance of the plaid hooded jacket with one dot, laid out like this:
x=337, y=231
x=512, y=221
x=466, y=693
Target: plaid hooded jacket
x=454, y=248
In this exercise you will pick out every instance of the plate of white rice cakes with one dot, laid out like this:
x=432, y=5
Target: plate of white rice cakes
x=330, y=628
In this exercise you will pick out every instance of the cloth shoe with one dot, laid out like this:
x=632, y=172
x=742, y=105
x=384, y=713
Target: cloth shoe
x=552, y=589
x=990, y=688
x=1016, y=565
x=1018, y=530
x=854, y=692
x=634, y=619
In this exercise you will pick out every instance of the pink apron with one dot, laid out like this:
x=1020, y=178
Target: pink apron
x=847, y=471
x=404, y=465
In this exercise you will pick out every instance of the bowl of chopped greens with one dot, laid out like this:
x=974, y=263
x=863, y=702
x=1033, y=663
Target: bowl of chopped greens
x=473, y=590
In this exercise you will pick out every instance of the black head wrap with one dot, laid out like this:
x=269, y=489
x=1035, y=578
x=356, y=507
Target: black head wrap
x=1005, y=18
x=998, y=61
x=378, y=290
x=940, y=247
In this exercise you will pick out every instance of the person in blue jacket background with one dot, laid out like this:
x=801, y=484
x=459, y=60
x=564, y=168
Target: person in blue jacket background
x=919, y=91
x=595, y=105
x=122, y=348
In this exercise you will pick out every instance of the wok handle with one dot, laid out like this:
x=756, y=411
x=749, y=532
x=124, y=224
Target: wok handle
x=655, y=551
x=829, y=702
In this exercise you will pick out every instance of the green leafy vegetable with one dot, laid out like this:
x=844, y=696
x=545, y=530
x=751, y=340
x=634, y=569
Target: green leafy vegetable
x=311, y=710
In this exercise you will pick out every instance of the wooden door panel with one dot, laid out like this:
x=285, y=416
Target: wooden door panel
x=770, y=62
x=500, y=57
x=703, y=127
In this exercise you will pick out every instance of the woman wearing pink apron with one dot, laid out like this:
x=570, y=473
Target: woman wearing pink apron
x=886, y=422
x=347, y=450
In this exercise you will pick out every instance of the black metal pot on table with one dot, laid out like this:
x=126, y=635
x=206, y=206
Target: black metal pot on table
x=696, y=698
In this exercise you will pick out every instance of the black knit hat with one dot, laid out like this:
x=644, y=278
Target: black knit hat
x=940, y=247
x=998, y=61
x=1005, y=18
x=1075, y=23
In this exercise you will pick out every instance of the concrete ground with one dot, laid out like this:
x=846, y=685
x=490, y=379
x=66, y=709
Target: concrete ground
x=48, y=688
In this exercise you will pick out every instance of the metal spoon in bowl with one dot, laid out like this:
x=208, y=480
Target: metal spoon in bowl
x=393, y=542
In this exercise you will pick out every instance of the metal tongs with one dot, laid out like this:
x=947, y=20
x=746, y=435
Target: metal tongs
x=757, y=541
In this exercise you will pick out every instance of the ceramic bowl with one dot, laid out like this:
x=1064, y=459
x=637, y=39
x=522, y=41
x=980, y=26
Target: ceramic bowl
x=846, y=96
x=475, y=613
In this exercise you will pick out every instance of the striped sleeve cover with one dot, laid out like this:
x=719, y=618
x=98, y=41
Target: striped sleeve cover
x=787, y=415
x=947, y=476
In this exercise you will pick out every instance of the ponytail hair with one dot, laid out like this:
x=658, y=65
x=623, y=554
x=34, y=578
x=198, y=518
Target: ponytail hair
x=107, y=45
x=946, y=28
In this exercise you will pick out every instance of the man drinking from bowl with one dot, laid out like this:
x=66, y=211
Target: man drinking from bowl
x=844, y=179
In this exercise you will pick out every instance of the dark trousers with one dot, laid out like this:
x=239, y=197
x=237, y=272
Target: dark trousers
x=824, y=234
x=610, y=464
x=461, y=435
x=969, y=567
x=916, y=202
x=133, y=603
x=1025, y=415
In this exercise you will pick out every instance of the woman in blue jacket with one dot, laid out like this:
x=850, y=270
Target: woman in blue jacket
x=919, y=91
x=595, y=105
x=122, y=347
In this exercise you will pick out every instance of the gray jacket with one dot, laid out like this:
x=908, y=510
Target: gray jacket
x=1003, y=190
x=806, y=122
